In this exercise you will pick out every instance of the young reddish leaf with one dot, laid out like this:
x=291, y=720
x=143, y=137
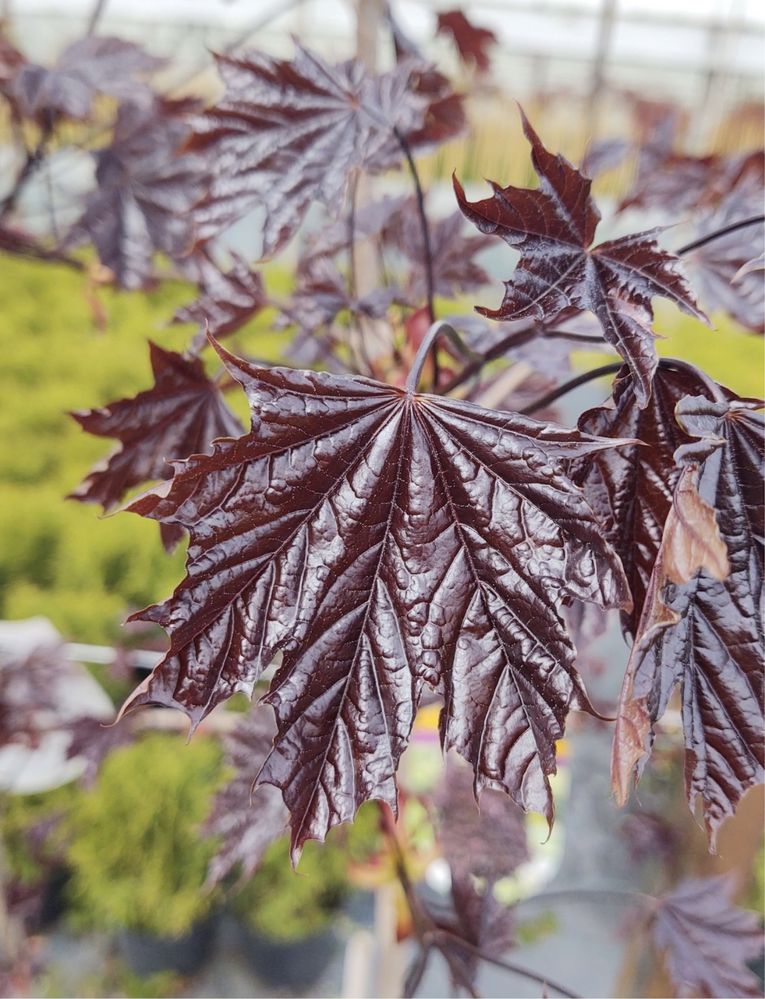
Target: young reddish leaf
x=553, y=228
x=472, y=42
x=182, y=414
x=631, y=489
x=245, y=823
x=228, y=301
x=699, y=630
x=720, y=267
x=145, y=193
x=453, y=253
x=84, y=69
x=707, y=941
x=383, y=541
x=288, y=133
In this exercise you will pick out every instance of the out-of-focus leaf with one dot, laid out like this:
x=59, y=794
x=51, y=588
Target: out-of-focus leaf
x=553, y=228
x=453, y=253
x=473, y=42
x=145, y=193
x=288, y=133
x=228, y=300
x=385, y=542
x=245, y=823
x=707, y=940
x=721, y=268
x=84, y=69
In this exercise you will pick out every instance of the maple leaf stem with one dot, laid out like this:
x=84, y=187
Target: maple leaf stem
x=34, y=159
x=426, y=243
x=719, y=233
x=569, y=386
x=429, y=340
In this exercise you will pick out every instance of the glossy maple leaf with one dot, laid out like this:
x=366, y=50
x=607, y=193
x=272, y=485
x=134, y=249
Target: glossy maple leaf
x=287, y=133
x=702, y=629
x=84, y=69
x=385, y=542
x=145, y=192
x=473, y=42
x=630, y=489
x=553, y=228
x=228, y=300
x=181, y=414
x=707, y=941
x=245, y=824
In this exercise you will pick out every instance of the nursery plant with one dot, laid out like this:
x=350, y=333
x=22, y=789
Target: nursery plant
x=406, y=518
x=137, y=855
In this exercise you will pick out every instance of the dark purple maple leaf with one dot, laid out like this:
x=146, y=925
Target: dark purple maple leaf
x=701, y=626
x=182, y=414
x=228, y=300
x=631, y=489
x=84, y=69
x=386, y=542
x=287, y=133
x=707, y=940
x=453, y=253
x=145, y=192
x=245, y=823
x=473, y=42
x=553, y=228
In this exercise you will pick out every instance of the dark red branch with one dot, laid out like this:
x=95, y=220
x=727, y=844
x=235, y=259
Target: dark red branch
x=719, y=233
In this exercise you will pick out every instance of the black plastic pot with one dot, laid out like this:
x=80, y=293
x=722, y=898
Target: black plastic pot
x=146, y=954
x=293, y=966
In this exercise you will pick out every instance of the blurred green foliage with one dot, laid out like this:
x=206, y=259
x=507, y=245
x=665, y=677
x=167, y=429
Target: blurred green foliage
x=137, y=854
x=58, y=557
x=30, y=831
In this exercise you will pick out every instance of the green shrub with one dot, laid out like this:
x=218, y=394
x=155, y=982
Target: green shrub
x=286, y=905
x=25, y=851
x=137, y=855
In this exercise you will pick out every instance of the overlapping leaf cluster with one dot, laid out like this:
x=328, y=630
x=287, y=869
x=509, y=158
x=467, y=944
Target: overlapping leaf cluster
x=377, y=544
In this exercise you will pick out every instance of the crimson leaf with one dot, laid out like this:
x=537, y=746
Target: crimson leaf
x=145, y=193
x=631, y=489
x=553, y=227
x=288, y=133
x=707, y=941
x=84, y=69
x=472, y=41
x=385, y=542
x=180, y=415
x=245, y=824
x=706, y=633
